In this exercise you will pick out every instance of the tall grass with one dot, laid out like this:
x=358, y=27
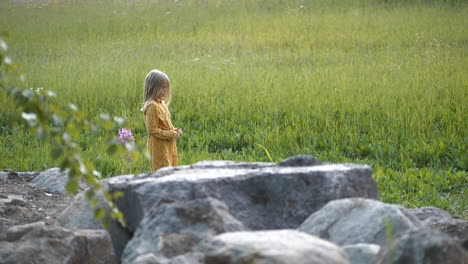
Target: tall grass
x=377, y=82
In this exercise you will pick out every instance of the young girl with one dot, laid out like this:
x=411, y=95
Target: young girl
x=161, y=133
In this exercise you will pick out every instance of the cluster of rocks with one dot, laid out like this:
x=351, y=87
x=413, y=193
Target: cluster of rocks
x=220, y=212
x=24, y=200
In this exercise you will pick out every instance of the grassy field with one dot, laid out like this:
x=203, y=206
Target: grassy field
x=372, y=82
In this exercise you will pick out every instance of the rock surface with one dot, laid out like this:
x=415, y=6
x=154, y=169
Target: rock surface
x=423, y=246
x=172, y=229
x=17, y=176
x=300, y=161
x=261, y=196
x=21, y=203
x=42, y=243
x=81, y=207
x=270, y=247
x=361, y=253
x=54, y=181
x=189, y=258
x=357, y=220
x=438, y=219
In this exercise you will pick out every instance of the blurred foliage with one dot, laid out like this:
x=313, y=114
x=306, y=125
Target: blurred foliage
x=59, y=124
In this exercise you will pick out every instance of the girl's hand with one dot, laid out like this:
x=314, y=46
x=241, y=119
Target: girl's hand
x=179, y=132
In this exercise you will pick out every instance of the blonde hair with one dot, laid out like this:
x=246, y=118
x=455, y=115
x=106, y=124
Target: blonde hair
x=155, y=81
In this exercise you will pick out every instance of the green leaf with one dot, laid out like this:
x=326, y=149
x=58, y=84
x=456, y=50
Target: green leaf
x=107, y=195
x=130, y=147
x=117, y=215
x=74, y=133
x=51, y=94
x=42, y=133
x=57, y=151
x=97, y=174
x=112, y=149
x=27, y=94
x=118, y=195
x=83, y=168
x=99, y=213
x=67, y=138
x=105, y=117
x=94, y=202
x=31, y=118
x=3, y=45
x=73, y=107
x=106, y=222
x=119, y=120
x=56, y=120
x=89, y=194
x=65, y=164
x=73, y=172
x=72, y=186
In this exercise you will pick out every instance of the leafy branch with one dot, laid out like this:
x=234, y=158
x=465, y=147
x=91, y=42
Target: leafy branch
x=61, y=124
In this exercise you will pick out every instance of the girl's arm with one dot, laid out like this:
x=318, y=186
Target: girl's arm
x=152, y=115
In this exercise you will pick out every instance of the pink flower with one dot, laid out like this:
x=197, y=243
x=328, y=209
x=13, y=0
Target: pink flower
x=125, y=136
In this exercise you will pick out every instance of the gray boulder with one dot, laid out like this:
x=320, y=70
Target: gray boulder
x=300, y=161
x=260, y=195
x=80, y=206
x=172, y=229
x=21, y=203
x=270, y=247
x=439, y=219
x=422, y=246
x=80, y=215
x=361, y=253
x=54, y=181
x=189, y=258
x=357, y=220
x=19, y=176
x=14, y=209
x=429, y=215
x=42, y=243
x=148, y=258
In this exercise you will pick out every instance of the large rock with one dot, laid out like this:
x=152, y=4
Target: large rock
x=270, y=247
x=260, y=195
x=54, y=180
x=357, y=220
x=189, y=258
x=21, y=203
x=80, y=206
x=41, y=243
x=439, y=219
x=80, y=215
x=173, y=229
x=13, y=209
x=300, y=161
x=361, y=253
x=422, y=246
x=21, y=176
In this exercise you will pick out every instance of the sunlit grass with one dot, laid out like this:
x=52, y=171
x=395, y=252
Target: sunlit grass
x=346, y=81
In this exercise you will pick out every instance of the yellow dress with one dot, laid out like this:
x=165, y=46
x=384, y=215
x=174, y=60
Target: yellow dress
x=161, y=135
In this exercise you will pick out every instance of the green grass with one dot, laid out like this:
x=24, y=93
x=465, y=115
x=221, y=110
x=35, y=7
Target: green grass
x=346, y=81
